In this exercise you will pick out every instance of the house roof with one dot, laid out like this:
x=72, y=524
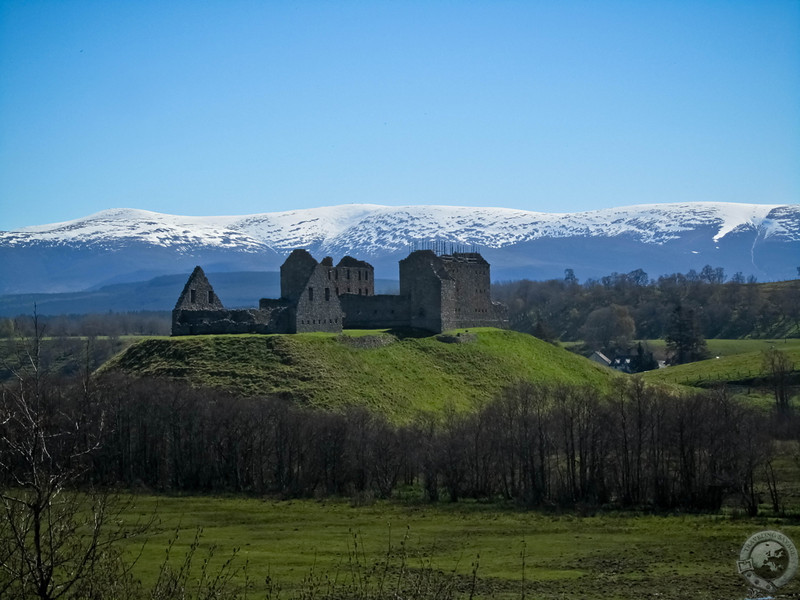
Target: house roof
x=600, y=357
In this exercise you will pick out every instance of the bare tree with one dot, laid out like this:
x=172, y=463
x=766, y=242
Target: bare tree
x=57, y=533
x=779, y=367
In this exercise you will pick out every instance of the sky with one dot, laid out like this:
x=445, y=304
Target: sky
x=238, y=107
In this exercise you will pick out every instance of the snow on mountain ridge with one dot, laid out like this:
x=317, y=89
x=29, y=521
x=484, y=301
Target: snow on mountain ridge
x=380, y=228
x=302, y=227
x=127, y=224
x=392, y=228
x=743, y=216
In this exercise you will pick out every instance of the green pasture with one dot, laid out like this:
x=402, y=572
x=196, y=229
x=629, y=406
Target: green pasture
x=716, y=347
x=724, y=348
x=400, y=376
x=731, y=366
x=602, y=556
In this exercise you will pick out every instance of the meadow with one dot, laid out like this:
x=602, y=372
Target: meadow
x=732, y=361
x=481, y=550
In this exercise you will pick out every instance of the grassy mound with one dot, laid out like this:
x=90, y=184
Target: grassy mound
x=375, y=369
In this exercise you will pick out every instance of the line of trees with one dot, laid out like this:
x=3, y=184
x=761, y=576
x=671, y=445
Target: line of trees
x=94, y=324
x=612, y=311
x=635, y=446
x=64, y=356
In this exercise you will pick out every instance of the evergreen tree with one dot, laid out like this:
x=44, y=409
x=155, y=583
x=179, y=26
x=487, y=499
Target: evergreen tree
x=685, y=343
x=643, y=361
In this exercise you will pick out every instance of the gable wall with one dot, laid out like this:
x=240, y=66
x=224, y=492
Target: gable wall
x=198, y=294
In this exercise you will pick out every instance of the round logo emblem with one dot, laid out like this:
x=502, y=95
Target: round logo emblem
x=768, y=560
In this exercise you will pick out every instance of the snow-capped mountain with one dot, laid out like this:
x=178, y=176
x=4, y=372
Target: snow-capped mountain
x=129, y=245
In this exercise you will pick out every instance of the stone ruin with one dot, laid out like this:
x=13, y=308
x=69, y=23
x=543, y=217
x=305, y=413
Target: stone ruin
x=437, y=293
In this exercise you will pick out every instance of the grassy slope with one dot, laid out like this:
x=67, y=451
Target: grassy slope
x=731, y=366
x=716, y=347
x=725, y=347
x=325, y=370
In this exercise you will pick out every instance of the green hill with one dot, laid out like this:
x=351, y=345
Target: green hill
x=400, y=376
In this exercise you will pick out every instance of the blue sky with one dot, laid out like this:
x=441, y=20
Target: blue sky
x=236, y=107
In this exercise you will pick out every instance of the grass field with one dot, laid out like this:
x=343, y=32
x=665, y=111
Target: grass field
x=399, y=376
x=716, y=347
x=723, y=348
x=565, y=556
x=733, y=362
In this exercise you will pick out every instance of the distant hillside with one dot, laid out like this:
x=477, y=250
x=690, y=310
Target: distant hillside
x=123, y=245
x=400, y=377
x=237, y=290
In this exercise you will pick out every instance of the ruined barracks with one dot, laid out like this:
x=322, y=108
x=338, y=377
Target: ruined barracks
x=437, y=292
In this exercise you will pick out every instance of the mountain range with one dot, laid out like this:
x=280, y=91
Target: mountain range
x=128, y=245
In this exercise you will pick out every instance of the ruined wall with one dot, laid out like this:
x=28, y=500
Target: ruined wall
x=449, y=306
x=295, y=271
x=318, y=307
x=422, y=282
x=471, y=306
x=216, y=321
x=448, y=291
x=375, y=312
x=500, y=313
x=352, y=276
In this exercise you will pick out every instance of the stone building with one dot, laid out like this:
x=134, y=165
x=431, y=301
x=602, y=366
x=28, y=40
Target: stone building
x=199, y=311
x=437, y=292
